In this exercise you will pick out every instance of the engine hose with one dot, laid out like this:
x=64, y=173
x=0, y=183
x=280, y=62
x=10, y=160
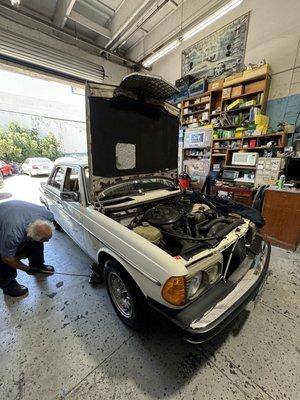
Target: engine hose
x=233, y=225
x=190, y=238
x=223, y=232
x=212, y=223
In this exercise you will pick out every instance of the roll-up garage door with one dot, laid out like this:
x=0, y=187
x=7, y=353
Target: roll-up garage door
x=32, y=52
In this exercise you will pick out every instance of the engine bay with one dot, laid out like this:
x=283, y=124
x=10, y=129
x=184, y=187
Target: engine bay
x=180, y=225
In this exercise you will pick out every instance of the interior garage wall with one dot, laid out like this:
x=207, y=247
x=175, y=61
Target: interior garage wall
x=274, y=34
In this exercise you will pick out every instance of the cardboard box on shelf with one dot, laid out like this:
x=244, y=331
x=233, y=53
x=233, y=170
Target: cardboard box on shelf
x=250, y=103
x=234, y=76
x=255, y=73
x=262, y=123
x=255, y=86
x=226, y=93
x=237, y=90
x=205, y=98
x=216, y=85
x=233, y=79
x=234, y=104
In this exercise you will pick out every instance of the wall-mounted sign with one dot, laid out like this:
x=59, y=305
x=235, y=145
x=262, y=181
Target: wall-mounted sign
x=219, y=54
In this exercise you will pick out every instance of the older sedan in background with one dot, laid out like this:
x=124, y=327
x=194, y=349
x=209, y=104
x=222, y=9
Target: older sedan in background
x=37, y=166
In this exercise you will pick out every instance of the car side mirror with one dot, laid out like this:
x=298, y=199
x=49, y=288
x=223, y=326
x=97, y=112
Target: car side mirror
x=69, y=196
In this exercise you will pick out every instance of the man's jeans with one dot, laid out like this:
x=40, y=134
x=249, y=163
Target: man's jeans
x=32, y=250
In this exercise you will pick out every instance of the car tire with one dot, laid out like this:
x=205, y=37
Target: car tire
x=130, y=305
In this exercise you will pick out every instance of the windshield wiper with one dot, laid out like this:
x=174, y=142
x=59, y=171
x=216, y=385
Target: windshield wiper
x=129, y=193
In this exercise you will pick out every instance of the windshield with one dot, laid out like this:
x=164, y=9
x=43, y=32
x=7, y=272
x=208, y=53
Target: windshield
x=138, y=187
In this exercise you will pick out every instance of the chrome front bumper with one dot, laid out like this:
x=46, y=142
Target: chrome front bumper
x=245, y=284
x=208, y=315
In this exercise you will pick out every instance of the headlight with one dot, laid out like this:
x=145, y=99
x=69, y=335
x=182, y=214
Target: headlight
x=174, y=290
x=194, y=284
x=209, y=272
x=213, y=273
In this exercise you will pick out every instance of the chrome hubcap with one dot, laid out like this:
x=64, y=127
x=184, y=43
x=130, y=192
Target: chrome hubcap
x=120, y=295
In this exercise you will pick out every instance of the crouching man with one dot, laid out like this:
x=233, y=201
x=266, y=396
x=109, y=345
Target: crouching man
x=24, y=227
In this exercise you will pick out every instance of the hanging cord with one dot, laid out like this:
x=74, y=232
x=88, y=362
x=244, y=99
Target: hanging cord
x=292, y=79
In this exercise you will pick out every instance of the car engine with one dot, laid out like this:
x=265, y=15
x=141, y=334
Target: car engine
x=179, y=225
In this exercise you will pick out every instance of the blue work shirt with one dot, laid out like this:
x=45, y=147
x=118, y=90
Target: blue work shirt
x=15, y=216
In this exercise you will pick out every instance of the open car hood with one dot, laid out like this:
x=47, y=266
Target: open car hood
x=132, y=131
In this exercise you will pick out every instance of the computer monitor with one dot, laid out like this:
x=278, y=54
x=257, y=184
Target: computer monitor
x=292, y=170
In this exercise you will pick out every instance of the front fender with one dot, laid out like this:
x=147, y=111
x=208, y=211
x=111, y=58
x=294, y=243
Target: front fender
x=141, y=278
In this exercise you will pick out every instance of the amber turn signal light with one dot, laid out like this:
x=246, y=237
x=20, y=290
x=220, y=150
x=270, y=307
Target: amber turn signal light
x=174, y=290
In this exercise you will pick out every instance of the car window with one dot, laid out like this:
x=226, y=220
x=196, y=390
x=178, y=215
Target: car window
x=57, y=178
x=38, y=160
x=71, y=183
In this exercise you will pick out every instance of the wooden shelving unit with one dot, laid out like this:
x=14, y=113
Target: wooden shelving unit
x=226, y=151
x=253, y=88
x=201, y=103
x=210, y=108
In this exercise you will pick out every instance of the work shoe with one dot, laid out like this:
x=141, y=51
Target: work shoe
x=46, y=269
x=14, y=289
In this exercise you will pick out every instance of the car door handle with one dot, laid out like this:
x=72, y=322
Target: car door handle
x=58, y=201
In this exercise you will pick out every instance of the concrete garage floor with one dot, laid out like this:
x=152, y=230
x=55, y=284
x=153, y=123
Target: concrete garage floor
x=64, y=340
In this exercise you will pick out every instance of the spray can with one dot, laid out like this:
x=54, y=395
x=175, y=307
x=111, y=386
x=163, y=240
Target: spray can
x=281, y=182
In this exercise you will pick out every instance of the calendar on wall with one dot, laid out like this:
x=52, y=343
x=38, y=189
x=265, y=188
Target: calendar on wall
x=219, y=54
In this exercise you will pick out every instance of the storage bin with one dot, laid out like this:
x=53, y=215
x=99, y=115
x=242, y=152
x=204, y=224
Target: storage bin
x=255, y=87
x=216, y=85
x=237, y=90
x=226, y=93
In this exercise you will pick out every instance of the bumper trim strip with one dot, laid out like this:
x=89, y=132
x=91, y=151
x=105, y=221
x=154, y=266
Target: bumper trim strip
x=222, y=307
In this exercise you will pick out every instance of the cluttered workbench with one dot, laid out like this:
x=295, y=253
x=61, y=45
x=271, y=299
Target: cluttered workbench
x=239, y=194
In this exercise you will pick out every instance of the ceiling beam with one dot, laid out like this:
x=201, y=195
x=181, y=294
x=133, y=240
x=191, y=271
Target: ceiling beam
x=102, y=6
x=95, y=10
x=93, y=26
x=138, y=25
x=62, y=12
x=173, y=3
x=129, y=14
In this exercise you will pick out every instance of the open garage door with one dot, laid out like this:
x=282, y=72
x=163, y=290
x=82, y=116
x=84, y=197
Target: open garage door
x=20, y=49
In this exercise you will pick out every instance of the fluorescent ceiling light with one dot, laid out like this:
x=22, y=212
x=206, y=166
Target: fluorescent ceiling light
x=197, y=28
x=214, y=17
x=160, y=53
x=15, y=3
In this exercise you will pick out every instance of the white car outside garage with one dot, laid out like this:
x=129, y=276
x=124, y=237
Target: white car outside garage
x=37, y=166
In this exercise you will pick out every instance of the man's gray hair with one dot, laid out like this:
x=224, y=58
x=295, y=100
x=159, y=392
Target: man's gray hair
x=39, y=230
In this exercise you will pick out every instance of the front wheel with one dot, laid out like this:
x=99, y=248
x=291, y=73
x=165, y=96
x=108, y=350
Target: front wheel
x=127, y=299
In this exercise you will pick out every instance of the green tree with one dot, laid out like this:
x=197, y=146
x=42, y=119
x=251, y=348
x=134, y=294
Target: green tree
x=18, y=143
x=49, y=147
